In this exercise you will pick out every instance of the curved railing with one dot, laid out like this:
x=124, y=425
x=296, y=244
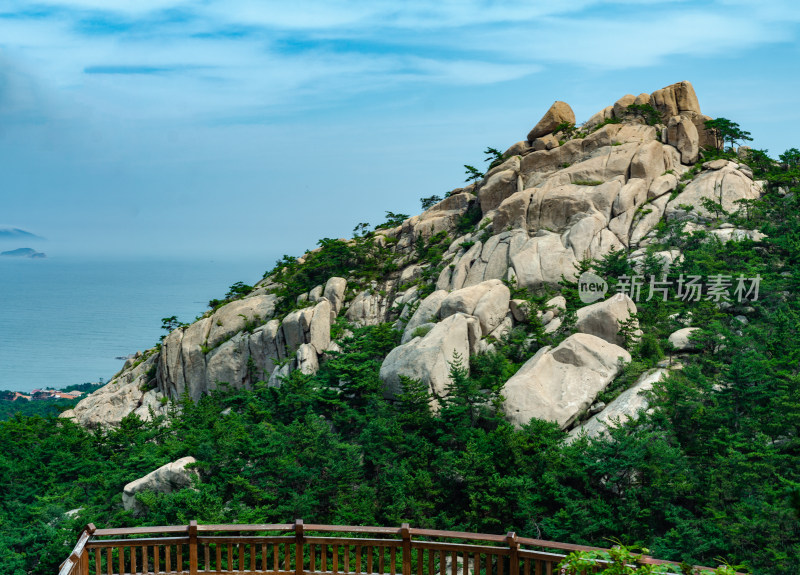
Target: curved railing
x=300, y=549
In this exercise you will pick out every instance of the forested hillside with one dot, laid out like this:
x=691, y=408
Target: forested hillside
x=708, y=470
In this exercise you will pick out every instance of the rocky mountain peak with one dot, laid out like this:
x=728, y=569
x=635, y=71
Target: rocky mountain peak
x=565, y=194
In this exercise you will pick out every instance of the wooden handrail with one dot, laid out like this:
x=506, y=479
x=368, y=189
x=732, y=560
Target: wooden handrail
x=192, y=549
x=75, y=562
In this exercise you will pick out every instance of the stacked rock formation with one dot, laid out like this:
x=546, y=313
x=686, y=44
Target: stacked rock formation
x=561, y=195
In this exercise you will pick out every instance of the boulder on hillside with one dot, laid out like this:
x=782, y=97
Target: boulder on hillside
x=722, y=183
x=166, y=479
x=557, y=384
x=603, y=318
x=627, y=405
x=558, y=113
x=680, y=339
x=428, y=358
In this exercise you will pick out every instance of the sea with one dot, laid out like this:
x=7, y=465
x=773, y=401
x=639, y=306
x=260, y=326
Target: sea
x=69, y=320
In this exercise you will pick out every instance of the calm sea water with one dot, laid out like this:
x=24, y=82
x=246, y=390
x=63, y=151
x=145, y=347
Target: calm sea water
x=65, y=320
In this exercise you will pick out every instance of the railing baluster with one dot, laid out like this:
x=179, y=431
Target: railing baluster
x=392, y=559
x=442, y=563
x=369, y=559
x=358, y=558
x=240, y=547
x=312, y=558
x=264, y=557
x=335, y=559
x=381, y=552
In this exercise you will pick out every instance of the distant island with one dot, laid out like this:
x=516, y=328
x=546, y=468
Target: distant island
x=24, y=253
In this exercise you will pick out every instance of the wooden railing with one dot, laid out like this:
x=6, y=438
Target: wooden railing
x=298, y=549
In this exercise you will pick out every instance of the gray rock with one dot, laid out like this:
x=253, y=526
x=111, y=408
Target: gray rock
x=492, y=307
x=558, y=113
x=628, y=405
x=558, y=384
x=166, y=479
x=427, y=311
x=680, y=339
x=682, y=133
x=428, y=358
x=334, y=292
x=603, y=318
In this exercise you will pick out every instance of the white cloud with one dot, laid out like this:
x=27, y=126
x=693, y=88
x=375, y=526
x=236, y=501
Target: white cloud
x=323, y=51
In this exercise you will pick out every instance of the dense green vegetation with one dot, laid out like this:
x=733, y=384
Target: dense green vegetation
x=711, y=471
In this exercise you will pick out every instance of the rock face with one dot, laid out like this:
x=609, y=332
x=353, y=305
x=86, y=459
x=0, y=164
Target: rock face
x=627, y=405
x=428, y=358
x=120, y=397
x=603, y=318
x=557, y=384
x=166, y=479
x=558, y=113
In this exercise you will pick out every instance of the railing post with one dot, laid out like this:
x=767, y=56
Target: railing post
x=513, y=544
x=299, y=540
x=84, y=561
x=405, y=532
x=193, y=547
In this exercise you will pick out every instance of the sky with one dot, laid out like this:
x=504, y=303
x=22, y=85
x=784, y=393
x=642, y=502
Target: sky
x=254, y=128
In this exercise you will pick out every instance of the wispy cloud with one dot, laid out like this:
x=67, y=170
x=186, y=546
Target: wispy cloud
x=249, y=53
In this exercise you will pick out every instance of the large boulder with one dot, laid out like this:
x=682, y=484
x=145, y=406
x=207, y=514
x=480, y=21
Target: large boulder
x=429, y=358
x=166, y=479
x=603, y=318
x=488, y=301
x=558, y=113
x=492, y=308
x=557, y=384
x=628, y=405
x=681, y=339
x=674, y=99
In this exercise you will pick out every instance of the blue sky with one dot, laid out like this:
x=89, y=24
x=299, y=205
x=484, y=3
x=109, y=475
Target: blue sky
x=252, y=129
